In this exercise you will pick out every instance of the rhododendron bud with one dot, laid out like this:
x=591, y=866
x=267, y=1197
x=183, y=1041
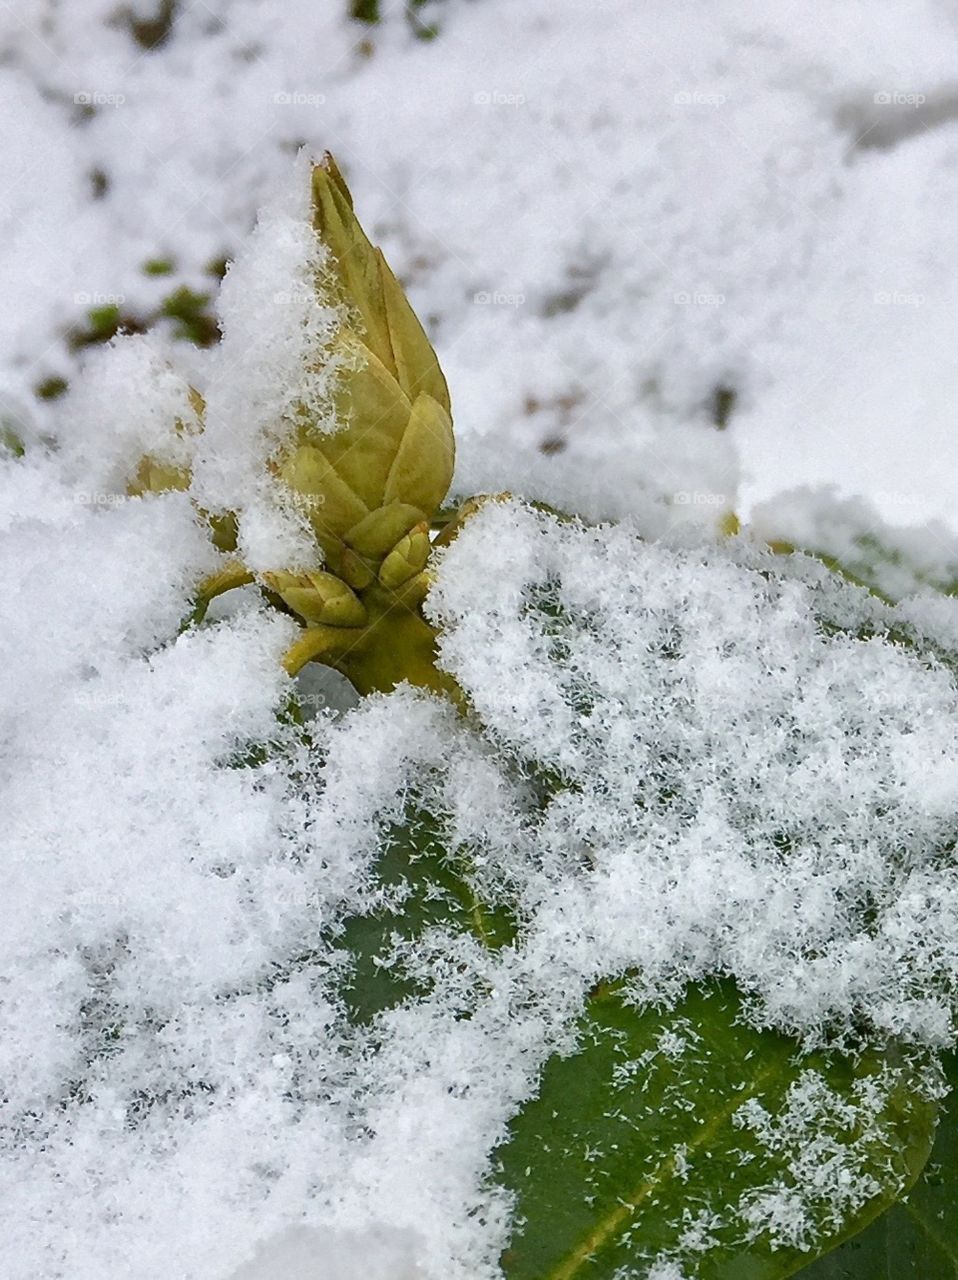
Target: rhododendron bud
x=389, y=465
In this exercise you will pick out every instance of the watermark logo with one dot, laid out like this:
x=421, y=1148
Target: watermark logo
x=698, y=298
x=897, y=498
x=295, y=298
x=94, y=898
x=297, y=898
x=99, y=299
x=497, y=98
x=305, y=504
x=84, y=498
x=314, y=701
x=895, y=298
x=699, y=98
x=899, y=98
x=498, y=298
x=97, y=99
x=93, y=698
x=284, y=99
x=699, y=498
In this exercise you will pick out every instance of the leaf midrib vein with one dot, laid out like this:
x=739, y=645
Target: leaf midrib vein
x=606, y=1227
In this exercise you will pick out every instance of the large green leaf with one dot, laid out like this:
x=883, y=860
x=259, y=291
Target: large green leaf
x=418, y=885
x=688, y=1136
x=917, y=1238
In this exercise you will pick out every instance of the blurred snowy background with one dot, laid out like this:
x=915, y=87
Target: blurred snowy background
x=695, y=255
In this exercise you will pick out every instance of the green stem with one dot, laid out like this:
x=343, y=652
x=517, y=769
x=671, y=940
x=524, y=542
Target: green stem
x=233, y=574
x=319, y=643
x=397, y=644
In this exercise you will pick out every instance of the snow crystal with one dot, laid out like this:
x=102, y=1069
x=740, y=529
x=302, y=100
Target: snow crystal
x=664, y=1270
x=126, y=406
x=825, y=1184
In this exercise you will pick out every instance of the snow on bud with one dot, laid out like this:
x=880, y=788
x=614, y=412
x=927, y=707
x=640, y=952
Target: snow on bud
x=156, y=474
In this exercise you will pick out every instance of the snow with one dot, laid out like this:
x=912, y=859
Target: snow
x=897, y=561
x=183, y=1090
x=825, y=1177
x=681, y=759
x=710, y=734
x=274, y=365
x=122, y=410
x=303, y=1254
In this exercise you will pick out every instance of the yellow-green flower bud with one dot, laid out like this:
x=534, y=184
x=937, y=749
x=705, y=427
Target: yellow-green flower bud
x=318, y=597
x=389, y=465
x=407, y=558
x=367, y=466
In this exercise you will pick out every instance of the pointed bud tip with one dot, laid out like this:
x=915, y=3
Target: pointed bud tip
x=328, y=171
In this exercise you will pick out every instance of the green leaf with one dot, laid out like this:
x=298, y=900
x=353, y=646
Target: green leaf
x=10, y=442
x=688, y=1136
x=917, y=1238
x=418, y=885
x=887, y=571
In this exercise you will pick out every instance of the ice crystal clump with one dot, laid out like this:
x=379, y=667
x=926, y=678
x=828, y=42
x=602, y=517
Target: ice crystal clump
x=826, y=1183
x=125, y=407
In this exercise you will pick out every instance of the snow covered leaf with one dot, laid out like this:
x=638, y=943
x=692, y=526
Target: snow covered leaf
x=418, y=887
x=689, y=1138
x=916, y=1238
x=758, y=760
